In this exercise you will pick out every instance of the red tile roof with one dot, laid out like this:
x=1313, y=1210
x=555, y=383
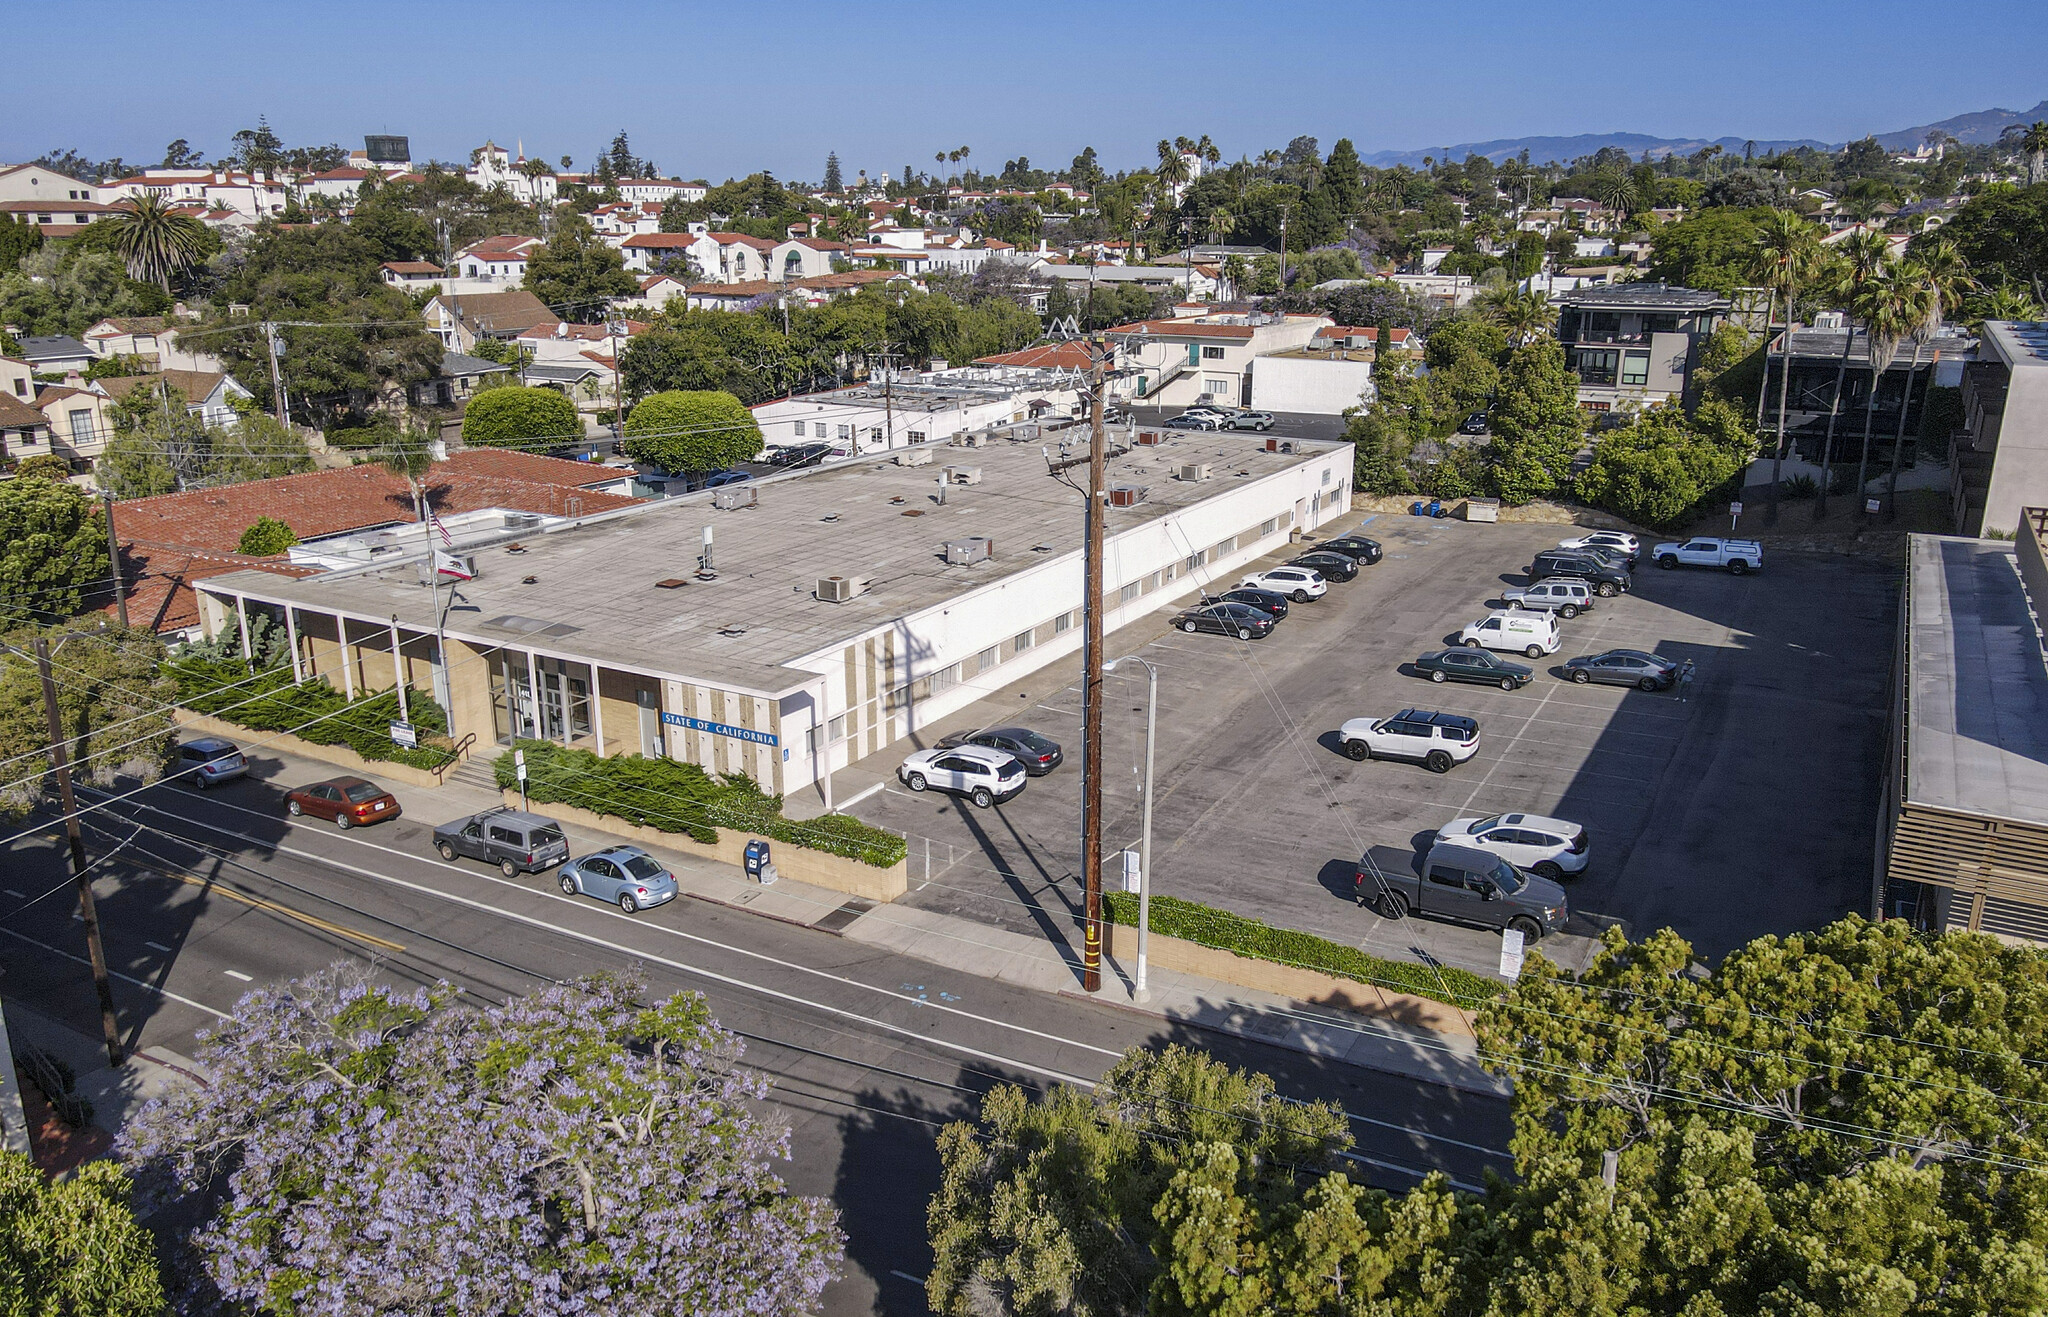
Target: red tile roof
x=1183, y=329
x=412, y=267
x=744, y=240
x=176, y=539
x=1048, y=356
x=19, y=415
x=661, y=240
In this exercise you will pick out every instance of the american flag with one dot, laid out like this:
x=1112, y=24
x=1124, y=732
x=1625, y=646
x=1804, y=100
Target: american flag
x=447, y=540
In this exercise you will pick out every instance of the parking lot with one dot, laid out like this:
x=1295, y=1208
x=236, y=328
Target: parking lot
x=1745, y=808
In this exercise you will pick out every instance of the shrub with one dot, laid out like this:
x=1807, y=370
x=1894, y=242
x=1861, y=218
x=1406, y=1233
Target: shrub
x=1801, y=486
x=1210, y=927
x=520, y=417
x=691, y=430
x=43, y=466
x=312, y=711
x=685, y=799
x=268, y=536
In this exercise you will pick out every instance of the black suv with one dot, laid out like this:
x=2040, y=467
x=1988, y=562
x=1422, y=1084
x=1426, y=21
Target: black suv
x=1355, y=547
x=1333, y=566
x=1606, y=579
x=1267, y=601
x=798, y=456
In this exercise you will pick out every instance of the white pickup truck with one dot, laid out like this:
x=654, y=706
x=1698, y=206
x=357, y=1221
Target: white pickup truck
x=1738, y=556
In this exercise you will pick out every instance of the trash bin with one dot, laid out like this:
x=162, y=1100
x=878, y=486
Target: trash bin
x=756, y=858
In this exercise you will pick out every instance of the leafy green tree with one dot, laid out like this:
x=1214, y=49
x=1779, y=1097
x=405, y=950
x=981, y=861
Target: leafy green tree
x=114, y=703
x=2002, y=234
x=43, y=466
x=577, y=274
x=1379, y=453
x=691, y=431
x=531, y=418
x=1656, y=471
x=158, y=447
x=718, y=350
x=53, y=548
x=267, y=536
x=1536, y=423
x=1714, y=250
x=833, y=182
x=73, y=1246
x=17, y=239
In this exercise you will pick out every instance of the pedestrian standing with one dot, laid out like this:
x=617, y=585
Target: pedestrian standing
x=1685, y=682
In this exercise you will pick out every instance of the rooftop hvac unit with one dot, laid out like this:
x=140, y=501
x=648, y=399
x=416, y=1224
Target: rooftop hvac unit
x=1126, y=496
x=1151, y=437
x=1195, y=471
x=914, y=457
x=971, y=439
x=1272, y=445
x=736, y=496
x=1829, y=320
x=1025, y=431
x=839, y=589
x=974, y=549
x=963, y=475
x=1287, y=446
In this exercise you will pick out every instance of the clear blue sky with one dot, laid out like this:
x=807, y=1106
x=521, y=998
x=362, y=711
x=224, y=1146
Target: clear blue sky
x=724, y=89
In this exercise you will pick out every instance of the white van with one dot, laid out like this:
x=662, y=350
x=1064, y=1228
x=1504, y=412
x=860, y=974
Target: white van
x=1533, y=634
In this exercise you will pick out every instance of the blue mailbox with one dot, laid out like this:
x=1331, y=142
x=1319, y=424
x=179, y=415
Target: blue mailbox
x=756, y=858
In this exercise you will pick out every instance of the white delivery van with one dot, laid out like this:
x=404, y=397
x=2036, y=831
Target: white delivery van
x=1533, y=634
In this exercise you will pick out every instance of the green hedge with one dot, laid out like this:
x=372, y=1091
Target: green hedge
x=1193, y=922
x=312, y=711
x=683, y=798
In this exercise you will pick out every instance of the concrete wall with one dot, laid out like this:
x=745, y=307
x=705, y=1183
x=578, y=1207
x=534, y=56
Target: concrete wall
x=254, y=742
x=2019, y=471
x=1303, y=384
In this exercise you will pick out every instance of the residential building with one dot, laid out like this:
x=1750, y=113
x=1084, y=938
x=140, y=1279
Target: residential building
x=530, y=181
x=492, y=265
x=80, y=417
x=37, y=185
x=1316, y=379
x=1184, y=281
x=803, y=258
x=1636, y=343
x=726, y=258
x=456, y=382
x=24, y=433
x=656, y=292
x=64, y=219
x=172, y=542
x=17, y=380
x=411, y=275
x=816, y=638
x=337, y=186
x=1831, y=378
x=156, y=339
x=460, y=319
x=657, y=191
x=244, y=197
x=795, y=292
x=646, y=252
x=1998, y=459
x=210, y=395
x=55, y=354
x=1207, y=358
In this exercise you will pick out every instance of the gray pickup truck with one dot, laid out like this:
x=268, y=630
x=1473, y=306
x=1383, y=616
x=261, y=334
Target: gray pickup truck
x=1460, y=883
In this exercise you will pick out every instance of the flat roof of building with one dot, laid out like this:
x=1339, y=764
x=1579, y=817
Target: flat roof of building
x=1978, y=704
x=592, y=587
x=2021, y=344
x=1826, y=345
x=1644, y=296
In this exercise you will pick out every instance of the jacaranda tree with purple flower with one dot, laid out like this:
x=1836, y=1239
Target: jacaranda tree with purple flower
x=383, y=1151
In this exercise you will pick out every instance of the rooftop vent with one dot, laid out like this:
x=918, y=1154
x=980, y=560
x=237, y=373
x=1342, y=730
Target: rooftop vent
x=672, y=583
x=735, y=496
x=914, y=457
x=839, y=589
x=1149, y=438
x=971, y=440
x=1126, y=496
x=974, y=549
x=1195, y=471
x=963, y=475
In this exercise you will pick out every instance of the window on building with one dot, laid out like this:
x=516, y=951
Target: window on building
x=1598, y=367
x=1064, y=622
x=1195, y=560
x=835, y=731
x=1326, y=475
x=1216, y=388
x=917, y=436
x=846, y=432
x=1151, y=582
x=1130, y=592
x=988, y=658
x=1212, y=354
x=1168, y=573
x=799, y=429
x=1224, y=548
x=81, y=427
x=1269, y=525
x=874, y=432
x=1635, y=368
x=1020, y=642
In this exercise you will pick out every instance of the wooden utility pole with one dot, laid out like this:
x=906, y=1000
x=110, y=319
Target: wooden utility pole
x=114, y=561
x=1091, y=673
x=86, y=910
x=276, y=375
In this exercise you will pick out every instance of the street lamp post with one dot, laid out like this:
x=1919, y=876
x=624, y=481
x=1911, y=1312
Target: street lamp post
x=1141, y=992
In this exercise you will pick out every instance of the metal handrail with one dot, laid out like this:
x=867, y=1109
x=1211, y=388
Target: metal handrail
x=456, y=755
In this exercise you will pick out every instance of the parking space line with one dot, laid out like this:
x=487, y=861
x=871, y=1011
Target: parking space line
x=1511, y=740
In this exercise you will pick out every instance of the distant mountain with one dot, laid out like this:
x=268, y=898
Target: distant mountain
x=1543, y=150
x=1981, y=128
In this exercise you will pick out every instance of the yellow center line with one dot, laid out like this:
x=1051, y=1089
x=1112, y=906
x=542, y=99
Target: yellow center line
x=258, y=903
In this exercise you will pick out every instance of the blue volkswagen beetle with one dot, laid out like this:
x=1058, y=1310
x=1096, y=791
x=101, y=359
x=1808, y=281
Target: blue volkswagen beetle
x=624, y=875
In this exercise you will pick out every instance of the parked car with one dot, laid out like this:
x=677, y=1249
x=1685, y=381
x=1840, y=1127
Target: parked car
x=1300, y=584
x=794, y=457
x=347, y=801
x=1194, y=421
x=1473, y=665
x=514, y=840
x=1330, y=566
x=1624, y=667
x=1267, y=601
x=1240, y=620
x=1473, y=424
x=1607, y=553
x=1738, y=556
x=1356, y=547
x=1550, y=847
x=625, y=876
x=987, y=777
x=1462, y=883
x=1250, y=421
x=1039, y=754
x=1611, y=539
x=1534, y=634
x=1437, y=741
x=210, y=761
x=719, y=479
x=1606, y=579
x=1560, y=594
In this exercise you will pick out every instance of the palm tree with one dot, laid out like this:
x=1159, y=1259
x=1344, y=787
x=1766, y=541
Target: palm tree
x=409, y=454
x=1616, y=189
x=156, y=241
x=1863, y=255
x=1944, y=279
x=1270, y=159
x=1236, y=272
x=1524, y=313
x=1171, y=172
x=1207, y=150
x=2008, y=301
x=2035, y=143
x=1892, y=305
x=1788, y=249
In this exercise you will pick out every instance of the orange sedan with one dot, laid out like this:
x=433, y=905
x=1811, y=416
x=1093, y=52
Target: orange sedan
x=346, y=800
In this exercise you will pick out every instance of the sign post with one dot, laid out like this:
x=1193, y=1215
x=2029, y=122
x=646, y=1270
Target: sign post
x=1511, y=953
x=404, y=734
x=519, y=766
x=1734, y=511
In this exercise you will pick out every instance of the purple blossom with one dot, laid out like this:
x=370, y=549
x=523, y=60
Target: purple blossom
x=569, y=1152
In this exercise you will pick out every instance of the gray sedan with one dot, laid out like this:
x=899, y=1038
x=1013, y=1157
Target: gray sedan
x=1623, y=667
x=624, y=875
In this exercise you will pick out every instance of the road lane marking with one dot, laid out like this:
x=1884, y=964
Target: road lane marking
x=158, y=946
x=272, y=907
x=19, y=896
x=117, y=974
x=237, y=974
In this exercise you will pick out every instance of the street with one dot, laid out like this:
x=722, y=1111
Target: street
x=209, y=896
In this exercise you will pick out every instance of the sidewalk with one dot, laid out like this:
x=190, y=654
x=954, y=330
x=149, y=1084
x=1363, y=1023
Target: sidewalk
x=1026, y=961
x=116, y=1095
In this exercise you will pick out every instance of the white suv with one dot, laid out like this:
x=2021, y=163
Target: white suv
x=1435, y=740
x=1300, y=584
x=1550, y=847
x=1533, y=634
x=985, y=776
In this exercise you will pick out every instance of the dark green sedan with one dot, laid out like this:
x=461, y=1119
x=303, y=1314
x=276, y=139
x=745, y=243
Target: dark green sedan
x=1473, y=665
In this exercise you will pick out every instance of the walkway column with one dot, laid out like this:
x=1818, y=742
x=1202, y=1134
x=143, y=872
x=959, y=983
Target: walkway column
x=398, y=671
x=596, y=710
x=291, y=631
x=348, y=665
x=242, y=616
x=536, y=692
